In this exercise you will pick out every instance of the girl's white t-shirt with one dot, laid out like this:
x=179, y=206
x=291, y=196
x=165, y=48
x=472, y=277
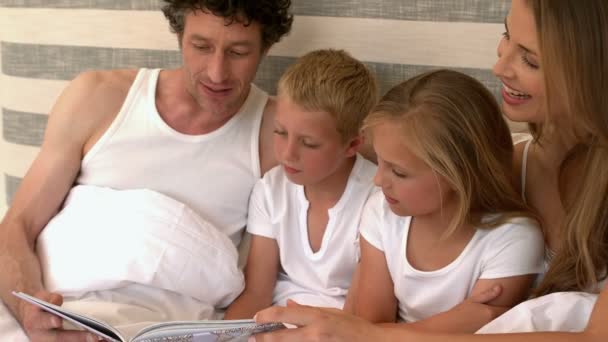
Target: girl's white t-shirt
x=511, y=249
x=278, y=210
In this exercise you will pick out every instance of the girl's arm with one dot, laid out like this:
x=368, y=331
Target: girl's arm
x=349, y=304
x=260, y=278
x=468, y=317
x=596, y=331
x=374, y=299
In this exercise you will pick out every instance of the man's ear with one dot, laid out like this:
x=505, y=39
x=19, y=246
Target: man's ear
x=354, y=145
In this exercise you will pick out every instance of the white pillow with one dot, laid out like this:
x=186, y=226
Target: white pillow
x=104, y=239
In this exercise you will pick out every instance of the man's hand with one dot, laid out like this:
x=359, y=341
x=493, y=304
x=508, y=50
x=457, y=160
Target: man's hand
x=41, y=326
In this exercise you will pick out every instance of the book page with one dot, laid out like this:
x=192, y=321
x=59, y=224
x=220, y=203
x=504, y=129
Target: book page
x=205, y=331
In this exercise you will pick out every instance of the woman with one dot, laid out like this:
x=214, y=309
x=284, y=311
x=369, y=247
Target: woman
x=553, y=62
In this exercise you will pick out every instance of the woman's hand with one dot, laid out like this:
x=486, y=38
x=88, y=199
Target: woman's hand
x=317, y=324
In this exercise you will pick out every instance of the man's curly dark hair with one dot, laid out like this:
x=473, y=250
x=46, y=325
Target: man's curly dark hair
x=273, y=15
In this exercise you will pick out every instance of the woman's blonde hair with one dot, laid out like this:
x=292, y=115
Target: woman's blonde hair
x=573, y=38
x=334, y=82
x=454, y=124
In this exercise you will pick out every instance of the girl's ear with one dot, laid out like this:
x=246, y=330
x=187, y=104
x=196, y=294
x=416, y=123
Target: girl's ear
x=354, y=145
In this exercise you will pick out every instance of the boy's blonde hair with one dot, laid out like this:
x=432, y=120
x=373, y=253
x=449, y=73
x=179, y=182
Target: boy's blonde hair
x=453, y=123
x=332, y=81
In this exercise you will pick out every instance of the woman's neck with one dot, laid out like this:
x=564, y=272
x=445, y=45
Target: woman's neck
x=555, y=145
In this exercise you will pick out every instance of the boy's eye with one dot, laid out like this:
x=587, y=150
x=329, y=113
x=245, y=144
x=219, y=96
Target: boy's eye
x=279, y=132
x=506, y=35
x=309, y=144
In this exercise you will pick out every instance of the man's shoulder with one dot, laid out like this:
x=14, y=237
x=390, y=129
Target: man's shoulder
x=267, y=158
x=91, y=101
x=104, y=82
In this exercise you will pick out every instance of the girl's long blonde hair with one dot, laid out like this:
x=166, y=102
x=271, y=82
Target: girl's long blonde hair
x=573, y=38
x=454, y=124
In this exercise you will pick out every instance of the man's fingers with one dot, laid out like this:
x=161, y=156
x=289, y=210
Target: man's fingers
x=56, y=299
x=36, y=319
x=75, y=336
x=48, y=321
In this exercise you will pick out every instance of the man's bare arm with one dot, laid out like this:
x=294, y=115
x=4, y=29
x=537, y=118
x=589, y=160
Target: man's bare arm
x=80, y=113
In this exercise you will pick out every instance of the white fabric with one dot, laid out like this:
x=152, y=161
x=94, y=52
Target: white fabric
x=519, y=137
x=512, y=249
x=278, y=210
x=561, y=311
x=524, y=169
x=211, y=173
x=129, y=256
x=10, y=330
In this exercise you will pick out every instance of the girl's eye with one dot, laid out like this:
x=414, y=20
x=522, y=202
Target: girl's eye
x=279, y=132
x=398, y=174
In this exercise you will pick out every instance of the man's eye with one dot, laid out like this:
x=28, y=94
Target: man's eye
x=238, y=53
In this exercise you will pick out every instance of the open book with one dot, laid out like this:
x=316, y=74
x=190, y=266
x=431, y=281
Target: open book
x=178, y=331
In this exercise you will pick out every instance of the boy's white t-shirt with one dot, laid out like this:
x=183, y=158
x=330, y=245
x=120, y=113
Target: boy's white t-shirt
x=278, y=210
x=512, y=249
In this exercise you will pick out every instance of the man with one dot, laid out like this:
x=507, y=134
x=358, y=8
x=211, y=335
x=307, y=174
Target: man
x=165, y=131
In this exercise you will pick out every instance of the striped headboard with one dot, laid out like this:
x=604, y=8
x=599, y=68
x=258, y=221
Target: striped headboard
x=45, y=43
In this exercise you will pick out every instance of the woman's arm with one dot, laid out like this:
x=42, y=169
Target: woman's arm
x=333, y=325
x=374, y=299
x=260, y=279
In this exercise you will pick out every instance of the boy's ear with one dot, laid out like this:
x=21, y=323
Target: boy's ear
x=354, y=145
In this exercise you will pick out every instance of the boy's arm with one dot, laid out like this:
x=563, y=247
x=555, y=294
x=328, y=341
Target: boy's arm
x=374, y=299
x=260, y=279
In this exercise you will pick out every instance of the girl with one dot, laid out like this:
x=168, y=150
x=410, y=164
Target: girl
x=448, y=222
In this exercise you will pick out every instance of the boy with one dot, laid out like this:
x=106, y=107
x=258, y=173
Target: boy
x=304, y=214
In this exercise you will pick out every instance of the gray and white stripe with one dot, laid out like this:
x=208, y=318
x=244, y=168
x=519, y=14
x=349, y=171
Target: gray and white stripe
x=45, y=43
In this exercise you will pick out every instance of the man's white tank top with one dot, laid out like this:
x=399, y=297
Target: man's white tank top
x=211, y=173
